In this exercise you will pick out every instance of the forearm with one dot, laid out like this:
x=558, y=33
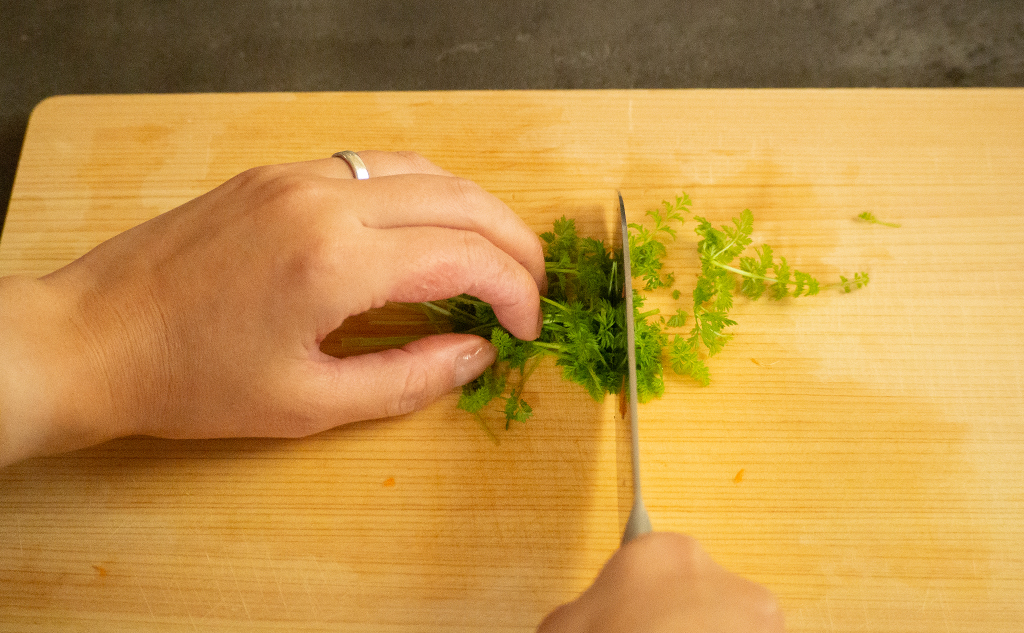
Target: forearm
x=48, y=402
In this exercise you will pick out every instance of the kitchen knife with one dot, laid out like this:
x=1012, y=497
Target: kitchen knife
x=639, y=522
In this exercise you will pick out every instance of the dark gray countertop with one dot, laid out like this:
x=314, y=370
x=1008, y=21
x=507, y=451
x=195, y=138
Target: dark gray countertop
x=51, y=47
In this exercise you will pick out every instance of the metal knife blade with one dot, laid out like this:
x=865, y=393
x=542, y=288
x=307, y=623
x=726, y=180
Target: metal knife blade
x=639, y=522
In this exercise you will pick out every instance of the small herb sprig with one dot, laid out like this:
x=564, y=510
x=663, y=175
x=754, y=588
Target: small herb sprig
x=584, y=315
x=870, y=218
x=758, y=275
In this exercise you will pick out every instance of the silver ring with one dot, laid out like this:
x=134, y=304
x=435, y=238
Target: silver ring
x=356, y=163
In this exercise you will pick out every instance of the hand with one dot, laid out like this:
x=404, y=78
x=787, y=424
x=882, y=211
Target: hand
x=667, y=583
x=206, y=321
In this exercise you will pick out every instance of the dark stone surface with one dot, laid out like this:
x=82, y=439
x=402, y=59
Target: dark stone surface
x=51, y=47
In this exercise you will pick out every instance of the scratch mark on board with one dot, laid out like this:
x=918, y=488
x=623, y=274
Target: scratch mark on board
x=944, y=610
x=184, y=602
x=123, y=523
x=220, y=591
x=145, y=598
x=309, y=593
x=239, y=590
x=277, y=579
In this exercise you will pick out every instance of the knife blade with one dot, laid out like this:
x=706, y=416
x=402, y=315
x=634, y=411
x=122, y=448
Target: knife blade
x=639, y=522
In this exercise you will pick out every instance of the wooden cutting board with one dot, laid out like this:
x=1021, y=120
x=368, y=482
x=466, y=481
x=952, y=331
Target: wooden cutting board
x=859, y=454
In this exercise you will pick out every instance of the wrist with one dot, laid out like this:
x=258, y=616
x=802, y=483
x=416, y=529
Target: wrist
x=51, y=394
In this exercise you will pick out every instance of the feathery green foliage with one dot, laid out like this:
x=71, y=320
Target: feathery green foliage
x=584, y=315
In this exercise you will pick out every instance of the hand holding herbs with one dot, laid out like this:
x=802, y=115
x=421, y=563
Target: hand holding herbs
x=208, y=320
x=584, y=317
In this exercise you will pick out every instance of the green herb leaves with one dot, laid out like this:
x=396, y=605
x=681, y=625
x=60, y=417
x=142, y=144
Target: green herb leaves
x=647, y=246
x=584, y=317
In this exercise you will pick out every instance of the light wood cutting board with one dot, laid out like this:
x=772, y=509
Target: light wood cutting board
x=859, y=454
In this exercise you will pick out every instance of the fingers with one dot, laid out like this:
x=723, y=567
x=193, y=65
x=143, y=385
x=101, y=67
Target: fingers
x=421, y=198
x=395, y=382
x=454, y=203
x=378, y=164
x=667, y=582
x=428, y=264
x=701, y=586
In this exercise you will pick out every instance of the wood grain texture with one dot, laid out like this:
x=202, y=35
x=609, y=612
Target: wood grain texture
x=880, y=434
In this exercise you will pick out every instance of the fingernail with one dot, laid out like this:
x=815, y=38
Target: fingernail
x=472, y=362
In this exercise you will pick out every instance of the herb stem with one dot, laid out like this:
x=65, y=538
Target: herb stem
x=746, y=273
x=553, y=303
x=378, y=341
x=554, y=347
x=725, y=248
x=613, y=277
x=487, y=429
x=435, y=307
x=567, y=271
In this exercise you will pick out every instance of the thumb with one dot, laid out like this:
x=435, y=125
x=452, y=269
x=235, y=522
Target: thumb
x=397, y=381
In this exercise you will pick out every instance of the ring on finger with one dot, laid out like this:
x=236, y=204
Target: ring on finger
x=356, y=163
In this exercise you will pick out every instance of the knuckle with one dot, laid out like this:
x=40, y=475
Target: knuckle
x=668, y=556
x=684, y=549
x=560, y=618
x=467, y=194
x=413, y=391
x=296, y=404
x=275, y=188
x=482, y=268
x=414, y=161
x=285, y=210
x=471, y=249
x=679, y=559
x=767, y=611
x=294, y=191
x=259, y=179
x=536, y=255
x=254, y=175
x=311, y=267
x=457, y=268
